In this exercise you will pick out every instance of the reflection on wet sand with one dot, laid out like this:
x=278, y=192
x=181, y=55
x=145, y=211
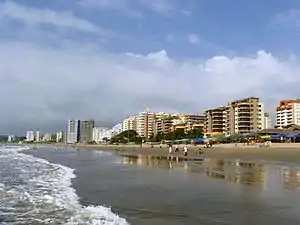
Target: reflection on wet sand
x=251, y=173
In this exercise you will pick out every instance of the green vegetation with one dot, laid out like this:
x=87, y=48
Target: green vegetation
x=127, y=136
x=176, y=135
x=132, y=136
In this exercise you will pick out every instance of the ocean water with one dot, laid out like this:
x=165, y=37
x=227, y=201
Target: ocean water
x=69, y=186
x=35, y=191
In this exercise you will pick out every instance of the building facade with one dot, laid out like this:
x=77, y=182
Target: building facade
x=38, y=136
x=241, y=116
x=145, y=122
x=117, y=129
x=60, y=137
x=129, y=123
x=86, y=131
x=100, y=134
x=29, y=136
x=216, y=120
x=267, y=122
x=287, y=113
x=73, y=131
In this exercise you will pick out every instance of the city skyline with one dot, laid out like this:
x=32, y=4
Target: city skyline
x=106, y=59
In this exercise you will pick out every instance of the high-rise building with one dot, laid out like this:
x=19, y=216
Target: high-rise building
x=73, y=132
x=216, y=120
x=30, y=136
x=47, y=137
x=242, y=116
x=38, y=136
x=267, y=122
x=60, y=137
x=86, y=130
x=145, y=123
x=129, y=123
x=287, y=113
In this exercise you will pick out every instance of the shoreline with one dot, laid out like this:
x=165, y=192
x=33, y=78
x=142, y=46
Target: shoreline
x=278, y=152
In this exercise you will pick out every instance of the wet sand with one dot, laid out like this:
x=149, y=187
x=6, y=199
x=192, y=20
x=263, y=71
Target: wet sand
x=285, y=152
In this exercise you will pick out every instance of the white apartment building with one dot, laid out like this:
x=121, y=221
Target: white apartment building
x=60, y=137
x=287, y=113
x=145, y=122
x=267, y=122
x=117, y=129
x=73, y=131
x=38, y=137
x=100, y=133
x=47, y=137
x=30, y=135
x=11, y=138
x=129, y=123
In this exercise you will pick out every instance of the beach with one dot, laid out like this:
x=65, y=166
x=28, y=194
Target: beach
x=282, y=152
x=147, y=190
x=67, y=185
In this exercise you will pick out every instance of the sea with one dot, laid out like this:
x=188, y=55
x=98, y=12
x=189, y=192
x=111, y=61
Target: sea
x=55, y=185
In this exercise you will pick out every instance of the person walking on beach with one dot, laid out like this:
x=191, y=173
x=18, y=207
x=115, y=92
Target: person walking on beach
x=170, y=156
x=176, y=148
x=185, y=151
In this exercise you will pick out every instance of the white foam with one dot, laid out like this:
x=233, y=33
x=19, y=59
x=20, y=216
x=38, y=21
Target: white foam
x=47, y=193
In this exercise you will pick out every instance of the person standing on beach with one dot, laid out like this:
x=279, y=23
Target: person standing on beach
x=185, y=151
x=170, y=156
x=176, y=148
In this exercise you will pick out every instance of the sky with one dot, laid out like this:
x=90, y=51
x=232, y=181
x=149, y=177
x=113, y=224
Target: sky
x=108, y=59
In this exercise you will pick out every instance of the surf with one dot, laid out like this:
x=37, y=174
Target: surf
x=35, y=191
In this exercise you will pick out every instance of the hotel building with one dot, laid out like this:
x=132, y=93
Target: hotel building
x=73, y=132
x=287, y=113
x=242, y=116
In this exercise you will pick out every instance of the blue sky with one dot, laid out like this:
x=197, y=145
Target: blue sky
x=221, y=26
x=109, y=59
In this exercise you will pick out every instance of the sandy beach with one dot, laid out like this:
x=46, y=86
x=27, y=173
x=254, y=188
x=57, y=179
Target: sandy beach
x=285, y=152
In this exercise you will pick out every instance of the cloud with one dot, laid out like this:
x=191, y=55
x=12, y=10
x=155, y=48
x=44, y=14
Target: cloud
x=135, y=8
x=43, y=86
x=193, y=39
x=35, y=16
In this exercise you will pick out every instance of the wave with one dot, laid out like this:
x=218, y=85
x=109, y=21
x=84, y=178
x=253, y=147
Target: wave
x=35, y=191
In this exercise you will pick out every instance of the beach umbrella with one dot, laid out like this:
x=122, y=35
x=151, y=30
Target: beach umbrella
x=293, y=135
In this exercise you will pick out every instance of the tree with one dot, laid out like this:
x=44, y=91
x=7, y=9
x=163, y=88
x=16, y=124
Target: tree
x=125, y=136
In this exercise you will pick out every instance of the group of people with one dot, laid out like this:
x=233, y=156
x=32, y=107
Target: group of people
x=185, y=151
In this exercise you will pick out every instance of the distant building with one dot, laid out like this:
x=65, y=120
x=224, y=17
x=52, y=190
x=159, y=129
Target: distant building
x=287, y=113
x=86, y=130
x=117, y=129
x=47, y=137
x=73, y=132
x=60, y=137
x=29, y=136
x=100, y=133
x=38, y=137
x=267, y=122
x=129, y=123
x=11, y=138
